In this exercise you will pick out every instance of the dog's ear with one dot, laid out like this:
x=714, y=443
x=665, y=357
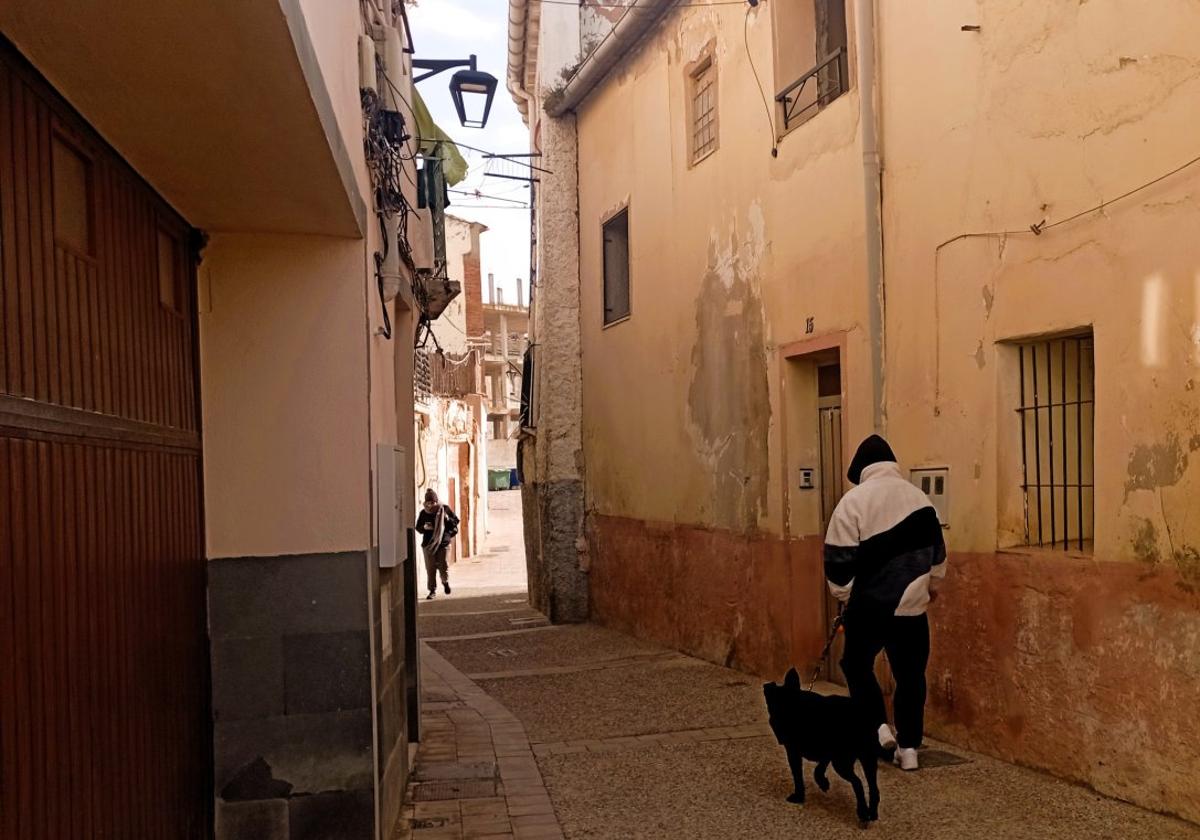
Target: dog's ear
x=792, y=680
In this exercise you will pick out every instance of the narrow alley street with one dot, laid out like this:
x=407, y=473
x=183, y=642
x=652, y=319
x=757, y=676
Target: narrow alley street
x=538, y=731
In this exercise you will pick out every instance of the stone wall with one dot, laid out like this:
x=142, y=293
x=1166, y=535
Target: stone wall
x=553, y=468
x=291, y=674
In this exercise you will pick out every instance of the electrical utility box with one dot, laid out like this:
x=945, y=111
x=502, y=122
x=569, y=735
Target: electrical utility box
x=934, y=482
x=394, y=504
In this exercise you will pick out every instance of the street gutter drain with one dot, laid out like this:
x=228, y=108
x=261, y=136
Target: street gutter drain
x=461, y=789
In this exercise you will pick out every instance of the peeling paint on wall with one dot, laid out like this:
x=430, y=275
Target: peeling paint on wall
x=728, y=410
x=1159, y=465
x=1145, y=543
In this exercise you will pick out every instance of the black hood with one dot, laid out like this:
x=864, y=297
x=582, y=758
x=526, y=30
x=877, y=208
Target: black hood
x=873, y=450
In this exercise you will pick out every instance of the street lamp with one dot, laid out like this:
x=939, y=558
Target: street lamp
x=466, y=86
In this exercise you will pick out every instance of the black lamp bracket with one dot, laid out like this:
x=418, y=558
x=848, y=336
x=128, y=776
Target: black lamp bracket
x=433, y=66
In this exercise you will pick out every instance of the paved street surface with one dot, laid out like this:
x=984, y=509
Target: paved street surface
x=533, y=731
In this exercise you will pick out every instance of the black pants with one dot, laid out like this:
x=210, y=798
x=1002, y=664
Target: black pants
x=906, y=640
x=435, y=562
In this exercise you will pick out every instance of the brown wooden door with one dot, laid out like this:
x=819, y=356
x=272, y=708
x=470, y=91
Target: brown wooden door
x=104, y=716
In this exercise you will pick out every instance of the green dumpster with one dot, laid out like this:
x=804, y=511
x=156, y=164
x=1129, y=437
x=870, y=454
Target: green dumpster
x=498, y=480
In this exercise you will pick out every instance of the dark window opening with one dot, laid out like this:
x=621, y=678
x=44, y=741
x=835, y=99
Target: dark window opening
x=811, y=58
x=829, y=380
x=616, y=267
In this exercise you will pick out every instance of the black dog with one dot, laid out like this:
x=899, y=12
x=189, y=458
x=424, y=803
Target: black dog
x=827, y=730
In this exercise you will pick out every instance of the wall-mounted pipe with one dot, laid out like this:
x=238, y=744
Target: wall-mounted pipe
x=872, y=203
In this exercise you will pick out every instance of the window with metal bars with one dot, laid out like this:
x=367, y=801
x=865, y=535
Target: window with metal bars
x=1057, y=417
x=703, y=109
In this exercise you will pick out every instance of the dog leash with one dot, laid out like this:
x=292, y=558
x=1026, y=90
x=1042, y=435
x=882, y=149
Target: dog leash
x=837, y=625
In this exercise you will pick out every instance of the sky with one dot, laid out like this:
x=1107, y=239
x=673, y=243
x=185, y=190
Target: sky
x=453, y=29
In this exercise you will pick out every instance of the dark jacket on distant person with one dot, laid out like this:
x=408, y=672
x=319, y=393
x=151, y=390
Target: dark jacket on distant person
x=429, y=518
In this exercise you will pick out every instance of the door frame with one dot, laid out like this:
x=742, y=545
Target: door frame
x=797, y=351
x=835, y=340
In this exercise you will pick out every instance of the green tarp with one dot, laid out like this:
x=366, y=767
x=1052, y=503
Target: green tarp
x=436, y=143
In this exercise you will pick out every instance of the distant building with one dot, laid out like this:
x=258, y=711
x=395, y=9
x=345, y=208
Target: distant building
x=450, y=398
x=505, y=338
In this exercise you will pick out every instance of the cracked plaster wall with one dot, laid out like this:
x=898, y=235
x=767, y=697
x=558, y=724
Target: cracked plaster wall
x=1047, y=110
x=730, y=258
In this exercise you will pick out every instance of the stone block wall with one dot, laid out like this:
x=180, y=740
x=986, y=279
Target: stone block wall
x=292, y=702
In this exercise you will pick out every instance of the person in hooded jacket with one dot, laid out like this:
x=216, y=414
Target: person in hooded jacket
x=884, y=559
x=437, y=525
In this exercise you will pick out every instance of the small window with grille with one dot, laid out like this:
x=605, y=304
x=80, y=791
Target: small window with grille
x=1057, y=417
x=702, y=109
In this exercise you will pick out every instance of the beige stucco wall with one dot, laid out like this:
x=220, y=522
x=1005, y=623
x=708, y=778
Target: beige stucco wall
x=285, y=426
x=714, y=280
x=730, y=258
x=1003, y=150
x=1080, y=664
x=319, y=294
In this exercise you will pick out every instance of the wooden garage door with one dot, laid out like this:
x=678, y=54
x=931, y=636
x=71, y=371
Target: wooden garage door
x=104, y=722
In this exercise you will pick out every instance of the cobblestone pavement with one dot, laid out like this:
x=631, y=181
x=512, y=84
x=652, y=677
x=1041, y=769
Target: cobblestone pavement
x=584, y=733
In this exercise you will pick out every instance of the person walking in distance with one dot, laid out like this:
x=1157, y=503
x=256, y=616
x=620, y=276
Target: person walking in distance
x=437, y=525
x=884, y=558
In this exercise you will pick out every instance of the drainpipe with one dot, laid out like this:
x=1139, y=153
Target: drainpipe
x=872, y=202
x=515, y=81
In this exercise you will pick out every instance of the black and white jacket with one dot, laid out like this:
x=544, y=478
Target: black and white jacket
x=884, y=550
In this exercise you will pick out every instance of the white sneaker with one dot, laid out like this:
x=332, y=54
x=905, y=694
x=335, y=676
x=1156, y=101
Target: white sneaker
x=886, y=739
x=906, y=757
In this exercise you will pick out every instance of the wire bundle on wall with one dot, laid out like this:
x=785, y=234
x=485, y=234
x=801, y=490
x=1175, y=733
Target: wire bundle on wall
x=388, y=150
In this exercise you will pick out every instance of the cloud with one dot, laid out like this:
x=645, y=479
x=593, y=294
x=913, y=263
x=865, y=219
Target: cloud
x=449, y=19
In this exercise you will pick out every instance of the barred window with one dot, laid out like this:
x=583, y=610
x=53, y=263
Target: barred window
x=1057, y=416
x=703, y=110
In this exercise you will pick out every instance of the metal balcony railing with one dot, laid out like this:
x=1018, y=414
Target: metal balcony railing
x=516, y=345
x=800, y=100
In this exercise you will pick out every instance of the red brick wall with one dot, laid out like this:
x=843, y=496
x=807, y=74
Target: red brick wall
x=473, y=290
